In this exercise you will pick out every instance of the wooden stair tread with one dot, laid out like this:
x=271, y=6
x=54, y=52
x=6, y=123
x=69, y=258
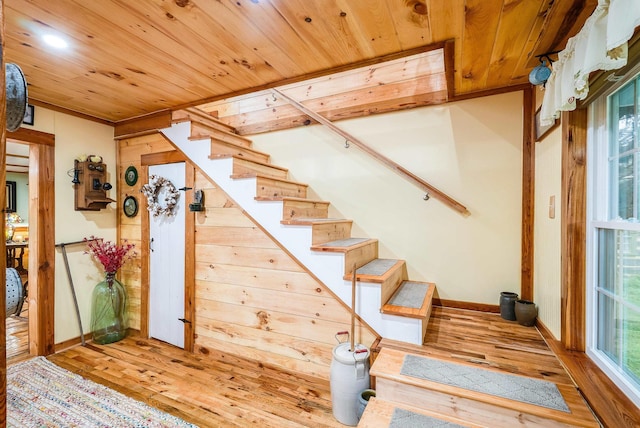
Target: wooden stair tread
x=390, y=382
x=267, y=177
x=419, y=293
x=311, y=221
x=248, y=168
x=311, y=201
x=377, y=270
x=219, y=148
x=343, y=245
x=201, y=131
x=204, y=125
x=249, y=161
x=202, y=117
x=379, y=414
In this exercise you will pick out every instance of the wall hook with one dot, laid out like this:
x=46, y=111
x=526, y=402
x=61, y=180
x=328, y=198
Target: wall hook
x=346, y=144
x=426, y=197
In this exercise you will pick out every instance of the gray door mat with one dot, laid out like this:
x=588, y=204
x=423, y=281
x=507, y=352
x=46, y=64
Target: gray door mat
x=410, y=295
x=526, y=390
x=405, y=419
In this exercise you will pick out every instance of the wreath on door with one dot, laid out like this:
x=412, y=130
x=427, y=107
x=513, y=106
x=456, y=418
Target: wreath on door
x=162, y=196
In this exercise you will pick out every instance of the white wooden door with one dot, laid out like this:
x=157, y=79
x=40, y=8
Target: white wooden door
x=166, y=263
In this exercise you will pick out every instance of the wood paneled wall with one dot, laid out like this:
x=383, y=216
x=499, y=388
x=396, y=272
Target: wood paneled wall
x=130, y=228
x=252, y=298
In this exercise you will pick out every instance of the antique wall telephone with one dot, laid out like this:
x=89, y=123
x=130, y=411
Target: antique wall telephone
x=90, y=183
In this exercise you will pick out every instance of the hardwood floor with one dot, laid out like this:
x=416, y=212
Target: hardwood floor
x=486, y=339
x=221, y=389
x=17, y=329
x=208, y=390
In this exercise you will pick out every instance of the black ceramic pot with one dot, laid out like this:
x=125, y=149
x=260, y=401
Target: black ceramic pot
x=507, y=305
x=526, y=312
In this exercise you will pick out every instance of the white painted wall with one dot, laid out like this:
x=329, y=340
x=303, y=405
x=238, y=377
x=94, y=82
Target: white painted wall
x=471, y=150
x=75, y=136
x=547, y=231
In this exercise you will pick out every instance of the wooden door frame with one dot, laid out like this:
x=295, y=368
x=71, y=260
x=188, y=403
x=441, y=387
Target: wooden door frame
x=189, y=257
x=41, y=254
x=41, y=238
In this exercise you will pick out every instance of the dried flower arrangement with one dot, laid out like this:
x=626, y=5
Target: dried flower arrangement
x=112, y=256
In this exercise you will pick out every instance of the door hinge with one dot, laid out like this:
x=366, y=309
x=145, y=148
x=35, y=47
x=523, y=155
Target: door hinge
x=184, y=320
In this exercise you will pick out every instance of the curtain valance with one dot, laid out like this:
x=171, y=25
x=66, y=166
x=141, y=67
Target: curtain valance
x=601, y=44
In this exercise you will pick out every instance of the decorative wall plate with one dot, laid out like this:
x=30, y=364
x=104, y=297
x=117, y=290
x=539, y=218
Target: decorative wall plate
x=131, y=175
x=130, y=206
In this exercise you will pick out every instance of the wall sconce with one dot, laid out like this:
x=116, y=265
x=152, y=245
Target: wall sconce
x=540, y=74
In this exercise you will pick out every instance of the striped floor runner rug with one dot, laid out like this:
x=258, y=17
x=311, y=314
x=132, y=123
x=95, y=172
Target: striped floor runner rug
x=41, y=394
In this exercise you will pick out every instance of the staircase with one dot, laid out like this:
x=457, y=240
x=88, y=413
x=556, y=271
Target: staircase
x=423, y=398
x=393, y=306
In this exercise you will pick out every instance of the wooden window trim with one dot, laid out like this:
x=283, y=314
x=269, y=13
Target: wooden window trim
x=573, y=230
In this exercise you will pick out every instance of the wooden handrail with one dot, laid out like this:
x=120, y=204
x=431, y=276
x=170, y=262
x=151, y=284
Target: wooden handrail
x=448, y=200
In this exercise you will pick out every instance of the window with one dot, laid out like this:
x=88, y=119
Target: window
x=614, y=235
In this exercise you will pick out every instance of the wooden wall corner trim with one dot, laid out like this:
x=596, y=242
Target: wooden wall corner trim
x=528, y=194
x=610, y=405
x=573, y=229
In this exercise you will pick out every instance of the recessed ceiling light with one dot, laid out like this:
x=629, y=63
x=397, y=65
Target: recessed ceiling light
x=55, y=41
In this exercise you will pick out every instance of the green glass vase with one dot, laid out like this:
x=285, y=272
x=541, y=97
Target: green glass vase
x=108, y=311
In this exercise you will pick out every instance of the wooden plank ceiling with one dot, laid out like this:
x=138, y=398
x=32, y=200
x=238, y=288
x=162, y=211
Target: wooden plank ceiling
x=17, y=159
x=130, y=58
